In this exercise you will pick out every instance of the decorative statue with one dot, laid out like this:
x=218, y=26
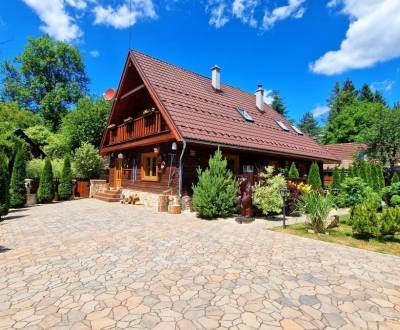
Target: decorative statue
x=245, y=201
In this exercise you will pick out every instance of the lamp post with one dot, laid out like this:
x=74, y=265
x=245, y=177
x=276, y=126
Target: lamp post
x=284, y=194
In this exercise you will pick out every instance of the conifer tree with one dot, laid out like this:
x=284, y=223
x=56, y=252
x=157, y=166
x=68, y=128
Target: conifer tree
x=293, y=171
x=314, y=177
x=366, y=94
x=65, y=186
x=278, y=104
x=4, y=195
x=378, y=98
x=336, y=180
x=45, y=193
x=380, y=177
x=395, y=178
x=17, y=184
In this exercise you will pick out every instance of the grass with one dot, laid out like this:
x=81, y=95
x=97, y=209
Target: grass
x=343, y=235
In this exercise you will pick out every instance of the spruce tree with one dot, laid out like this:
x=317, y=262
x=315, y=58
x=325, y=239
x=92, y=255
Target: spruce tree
x=4, y=195
x=17, y=184
x=335, y=179
x=314, y=177
x=45, y=193
x=65, y=186
x=378, y=98
x=309, y=125
x=366, y=94
x=278, y=104
x=293, y=171
x=395, y=178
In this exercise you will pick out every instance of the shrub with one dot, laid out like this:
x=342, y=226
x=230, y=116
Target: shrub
x=317, y=208
x=391, y=191
x=380, y=177
x=353, y=190
x=395, y=200
x=293, y=171
x=364, y=220
x=17, y=184
x=65, y=186
x=335, y=179
x=215, y=192
x=389, y=221
x=293, y=198
x=267, y=193
x=88, y=162
x=57, y=165
x=4, y=196
x=395, y=178
x=314, y=177
x=34, y=168
x=45, y=193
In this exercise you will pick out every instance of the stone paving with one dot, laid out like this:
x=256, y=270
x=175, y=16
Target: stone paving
x=88, y=264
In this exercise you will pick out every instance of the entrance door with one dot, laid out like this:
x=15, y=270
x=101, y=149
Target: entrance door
x=118, y=173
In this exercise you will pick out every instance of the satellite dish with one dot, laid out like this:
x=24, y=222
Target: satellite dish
x=109, y=94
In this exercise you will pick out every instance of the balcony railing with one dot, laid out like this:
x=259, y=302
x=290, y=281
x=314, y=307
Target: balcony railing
x=137, y=128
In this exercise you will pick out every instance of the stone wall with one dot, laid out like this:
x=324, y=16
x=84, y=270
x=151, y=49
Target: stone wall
x=97, y=186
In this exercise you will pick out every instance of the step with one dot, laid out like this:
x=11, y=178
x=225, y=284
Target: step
x=109, y=194
x=108, y=199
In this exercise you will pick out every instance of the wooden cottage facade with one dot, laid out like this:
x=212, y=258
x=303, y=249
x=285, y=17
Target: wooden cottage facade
x=166, y=122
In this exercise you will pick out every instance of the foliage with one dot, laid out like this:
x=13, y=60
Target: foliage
x=267, y=193
x=314, y=177
x=277, y=103
x=39, y=134
x=17, y=184
x=57, y=165
x=395, y=200
x=293, y=171
x=353, y=190
x=86, y=123
x=366, y=94
x=395, y=178
x=215, y=192
x=88, y=162
x=336, y=179
x=47, y=77
x=4, y=195
x=317, y=208
x=309, y=125
x=293, y=197
x=390, y=192
x=45, y=193
x=34, y=168
x=65, y=186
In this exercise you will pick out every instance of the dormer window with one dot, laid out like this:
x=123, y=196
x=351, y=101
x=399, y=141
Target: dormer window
x=246, y=116
x=282, y=125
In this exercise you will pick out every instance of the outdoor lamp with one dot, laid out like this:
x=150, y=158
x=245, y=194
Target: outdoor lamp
x=284, y=194
x=174, y=146
x=120, y=156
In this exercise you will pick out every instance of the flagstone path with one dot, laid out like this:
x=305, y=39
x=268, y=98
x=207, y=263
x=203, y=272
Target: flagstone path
x=88, y=264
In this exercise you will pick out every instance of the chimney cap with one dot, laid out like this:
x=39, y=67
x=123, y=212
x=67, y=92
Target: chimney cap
x=260, y=87
x=216, y=67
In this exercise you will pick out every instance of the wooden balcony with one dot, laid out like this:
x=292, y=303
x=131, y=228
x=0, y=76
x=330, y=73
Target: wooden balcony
x=140, y=127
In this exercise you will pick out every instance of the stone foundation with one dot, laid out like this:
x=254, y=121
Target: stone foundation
x=97, y=186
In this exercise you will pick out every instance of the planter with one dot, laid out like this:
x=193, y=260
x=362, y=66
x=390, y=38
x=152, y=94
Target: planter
x=82, y=188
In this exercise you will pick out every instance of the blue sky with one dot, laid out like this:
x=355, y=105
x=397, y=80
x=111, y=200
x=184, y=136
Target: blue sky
x=300, y=47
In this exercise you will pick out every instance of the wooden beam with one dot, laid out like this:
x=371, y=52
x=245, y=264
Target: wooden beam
x=133, y=91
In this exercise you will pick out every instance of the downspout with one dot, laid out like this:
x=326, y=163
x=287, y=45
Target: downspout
x=181, y=168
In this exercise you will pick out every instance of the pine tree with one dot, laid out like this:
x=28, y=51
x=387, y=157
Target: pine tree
x=216, y=190
x=45, y=193
x=4, y=195
x=65, y=186
x=378, y=98
x=314, y=177
x=293, y=171
x=335, y=178
x=278, y=104
x=309, y=125
x=366, y=94
x=17, y=184
x=395, y=178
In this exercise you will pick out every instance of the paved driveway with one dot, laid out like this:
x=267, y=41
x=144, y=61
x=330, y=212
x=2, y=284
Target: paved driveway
x=86, y=263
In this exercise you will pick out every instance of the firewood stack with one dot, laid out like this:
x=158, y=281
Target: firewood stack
x=131, y=199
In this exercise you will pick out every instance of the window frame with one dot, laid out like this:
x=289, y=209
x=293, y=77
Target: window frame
x=145, y=177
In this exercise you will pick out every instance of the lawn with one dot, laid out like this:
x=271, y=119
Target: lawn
x=343, y=235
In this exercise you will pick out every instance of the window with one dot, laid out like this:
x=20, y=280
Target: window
x=297, y=130
x=248, y=168
x=282, y=125
x=246, y=116
x=149, y=167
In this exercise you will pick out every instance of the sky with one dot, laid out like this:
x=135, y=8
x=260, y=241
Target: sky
x=299, y=47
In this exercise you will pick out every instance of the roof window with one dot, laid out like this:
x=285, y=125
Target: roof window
x=246, y=116
x=297, y=130
x=282, y=125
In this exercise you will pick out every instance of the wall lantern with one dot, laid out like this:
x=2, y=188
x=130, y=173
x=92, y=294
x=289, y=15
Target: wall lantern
x=156, y=150
x=174, y=146
x=120, y=156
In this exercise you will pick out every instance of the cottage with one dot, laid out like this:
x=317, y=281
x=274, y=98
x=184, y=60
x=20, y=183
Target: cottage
x=166, y=122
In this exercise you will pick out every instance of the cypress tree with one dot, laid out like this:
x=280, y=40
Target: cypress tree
x=65, y=186
x=45, y=193
x=380, y=177
x=4, y=196
x=343, y=175
x=314, y=177
x=395, y=178
x=335, y=179
x=293, y=171
x=17, y=184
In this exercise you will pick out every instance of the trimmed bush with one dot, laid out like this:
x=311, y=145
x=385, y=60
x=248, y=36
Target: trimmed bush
x=17, y=184
x=395, y=178
x=352, y=191
x=45, y=193
x=65, y=186
x=214, y=194
x=4, y=196
x=293, y=171
x=314, y=177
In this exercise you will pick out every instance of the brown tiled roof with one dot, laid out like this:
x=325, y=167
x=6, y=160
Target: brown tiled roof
x=344, y=152
x=202, y=114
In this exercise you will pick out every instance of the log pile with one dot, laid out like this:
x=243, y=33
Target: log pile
x=131, y=199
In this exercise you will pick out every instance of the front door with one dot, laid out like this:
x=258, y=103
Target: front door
x=118, y=173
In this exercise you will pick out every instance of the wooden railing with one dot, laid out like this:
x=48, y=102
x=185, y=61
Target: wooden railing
x=139, y=127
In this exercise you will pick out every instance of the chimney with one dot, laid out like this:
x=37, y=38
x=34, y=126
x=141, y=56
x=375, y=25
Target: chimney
x=216, y=77
x=260, y=98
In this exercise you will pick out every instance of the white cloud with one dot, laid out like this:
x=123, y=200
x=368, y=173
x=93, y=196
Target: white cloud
x=386, y=85
x=58, y=24
x=94, y=53
x=268, y=96
x=218, y=16
x=372, y=37
x=294, y=9
x=244, y=10
x=320, y=110
x=124, y=16
x=78, y=4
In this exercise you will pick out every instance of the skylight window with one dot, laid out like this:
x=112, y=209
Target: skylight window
x=246, y=116
x=297, y=130
x=282, y=125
